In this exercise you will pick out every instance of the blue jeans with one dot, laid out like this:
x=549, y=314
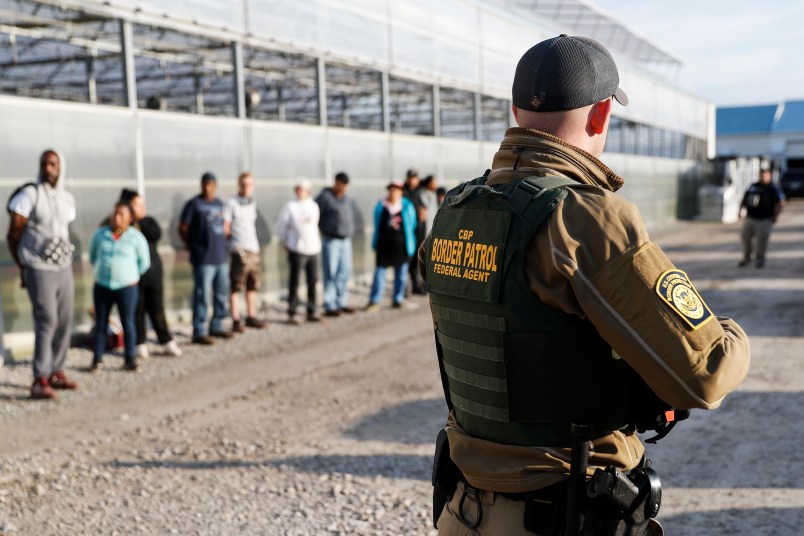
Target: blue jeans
x=336, y=254
x=126, y=299
x=210, y=279
x=400, y=282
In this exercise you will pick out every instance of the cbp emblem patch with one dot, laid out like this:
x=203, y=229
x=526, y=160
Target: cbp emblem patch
x=676, y=289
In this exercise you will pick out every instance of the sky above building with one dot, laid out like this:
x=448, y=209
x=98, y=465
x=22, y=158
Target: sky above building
x=735, y=52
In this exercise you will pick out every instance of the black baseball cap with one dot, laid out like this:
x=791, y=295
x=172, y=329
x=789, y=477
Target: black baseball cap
x=565, y=73
x=208, y=177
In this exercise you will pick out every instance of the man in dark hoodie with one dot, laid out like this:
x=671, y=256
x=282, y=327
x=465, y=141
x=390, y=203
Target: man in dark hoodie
x=39, y=241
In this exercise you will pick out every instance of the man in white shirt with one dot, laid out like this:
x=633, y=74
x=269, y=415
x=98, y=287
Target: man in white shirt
x=246, y=266
x=297, y=227
x=39, y=242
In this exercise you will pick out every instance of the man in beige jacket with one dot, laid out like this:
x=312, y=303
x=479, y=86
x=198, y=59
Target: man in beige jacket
x=551, y=313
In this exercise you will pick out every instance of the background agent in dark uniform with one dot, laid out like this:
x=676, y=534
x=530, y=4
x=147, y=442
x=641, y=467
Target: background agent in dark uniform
x=763, y=203
x=551, y=306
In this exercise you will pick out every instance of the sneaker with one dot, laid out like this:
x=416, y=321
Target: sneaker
x=142, y=351
x=172, y=349
x=333, y=313
x=347, y=310
x=59, y=380
x=131, y=367
x=372, y=307
x=313, y=317
x=237, y=326
x=293, y=321
x=96, y=367
x=41, y=390
x=255, y=323
x=760, y=264
x=206, y=340
x=222, y=334
x=743, y=263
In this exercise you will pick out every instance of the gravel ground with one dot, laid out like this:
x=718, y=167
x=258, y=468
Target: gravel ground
x=328, y=429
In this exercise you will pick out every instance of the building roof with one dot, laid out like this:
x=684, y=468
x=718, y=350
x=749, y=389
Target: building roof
x=585, y=18
x=783, y=117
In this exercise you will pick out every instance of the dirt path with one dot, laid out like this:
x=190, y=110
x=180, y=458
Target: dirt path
x=328, y=429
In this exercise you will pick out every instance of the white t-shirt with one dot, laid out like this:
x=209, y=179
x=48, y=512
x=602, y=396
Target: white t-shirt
x=241, y=213
x=297, y=226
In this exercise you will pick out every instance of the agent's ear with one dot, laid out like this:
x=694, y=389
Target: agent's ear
x=515, y=111
x=599, y=116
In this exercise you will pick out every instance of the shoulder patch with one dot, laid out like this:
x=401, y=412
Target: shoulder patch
x=675, y=288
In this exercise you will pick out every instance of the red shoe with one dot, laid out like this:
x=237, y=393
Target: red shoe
x=59, y=380
x=40, y=390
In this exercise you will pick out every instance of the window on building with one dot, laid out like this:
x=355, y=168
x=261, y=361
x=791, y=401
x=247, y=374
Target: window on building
x=614, y=139
x=411, y=107
x=354, y=97
x=280, y=86
x=51, y=52
x=494, y=118
x=457, y=113
x=182, y=72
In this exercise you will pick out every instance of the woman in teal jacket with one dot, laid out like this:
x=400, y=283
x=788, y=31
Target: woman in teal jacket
x=119, y=256
x=394, y=243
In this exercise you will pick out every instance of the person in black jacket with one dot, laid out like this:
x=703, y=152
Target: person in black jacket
x=763, y=202
x=152, y=295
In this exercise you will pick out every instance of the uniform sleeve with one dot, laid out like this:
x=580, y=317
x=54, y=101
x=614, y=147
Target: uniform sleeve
x=644, y=307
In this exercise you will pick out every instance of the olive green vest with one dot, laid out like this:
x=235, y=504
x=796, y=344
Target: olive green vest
x=515, y=370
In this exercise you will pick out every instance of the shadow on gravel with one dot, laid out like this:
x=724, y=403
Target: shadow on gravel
x=735, y=522
x=416, y=422
x=751, y=310
x=752, y=441
x=383, y=465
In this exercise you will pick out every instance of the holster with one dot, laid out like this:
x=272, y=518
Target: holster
x=445, y=476
x=623, y=510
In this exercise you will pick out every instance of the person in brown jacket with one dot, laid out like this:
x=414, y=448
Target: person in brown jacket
x=552, y=307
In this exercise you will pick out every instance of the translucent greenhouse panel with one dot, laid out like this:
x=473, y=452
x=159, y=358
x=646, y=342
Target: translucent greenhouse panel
x=217, y=13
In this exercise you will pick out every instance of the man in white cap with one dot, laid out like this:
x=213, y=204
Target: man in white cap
x=297, y=227
x=560, y=326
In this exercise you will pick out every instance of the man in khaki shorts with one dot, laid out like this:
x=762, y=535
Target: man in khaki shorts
x=246, y=266
x=552, y=309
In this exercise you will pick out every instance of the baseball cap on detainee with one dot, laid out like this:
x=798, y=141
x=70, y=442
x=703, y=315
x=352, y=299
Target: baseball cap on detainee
x=565, y=73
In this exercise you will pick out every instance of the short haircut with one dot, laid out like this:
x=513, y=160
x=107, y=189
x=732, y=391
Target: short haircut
x=342, y=177
x=126, y=195
x=244, y=175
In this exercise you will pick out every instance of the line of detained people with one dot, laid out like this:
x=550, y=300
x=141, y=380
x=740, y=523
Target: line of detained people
x=221, y=238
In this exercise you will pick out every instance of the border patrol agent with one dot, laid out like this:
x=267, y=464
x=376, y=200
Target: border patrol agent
x=552, y=307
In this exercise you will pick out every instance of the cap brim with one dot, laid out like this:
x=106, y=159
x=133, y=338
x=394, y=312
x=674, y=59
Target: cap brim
x=621, y=97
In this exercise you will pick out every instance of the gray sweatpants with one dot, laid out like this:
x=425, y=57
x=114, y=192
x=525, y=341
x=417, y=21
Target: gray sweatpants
x=759, y=231
x=52, y=296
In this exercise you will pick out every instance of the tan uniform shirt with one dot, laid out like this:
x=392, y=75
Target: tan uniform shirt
x=593, y=258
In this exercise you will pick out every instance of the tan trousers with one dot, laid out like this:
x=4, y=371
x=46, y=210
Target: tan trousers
x=501, y=517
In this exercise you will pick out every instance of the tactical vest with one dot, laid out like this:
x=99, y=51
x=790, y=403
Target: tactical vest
x=515, y=370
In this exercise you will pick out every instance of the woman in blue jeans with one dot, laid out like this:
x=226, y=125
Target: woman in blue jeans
x=394, y=244
x=119, y=256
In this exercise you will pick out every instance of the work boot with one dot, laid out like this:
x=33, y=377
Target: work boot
x=255, y=323
x=205, y=340
x=41, y=390
x=59, y=380
x=222, y=334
